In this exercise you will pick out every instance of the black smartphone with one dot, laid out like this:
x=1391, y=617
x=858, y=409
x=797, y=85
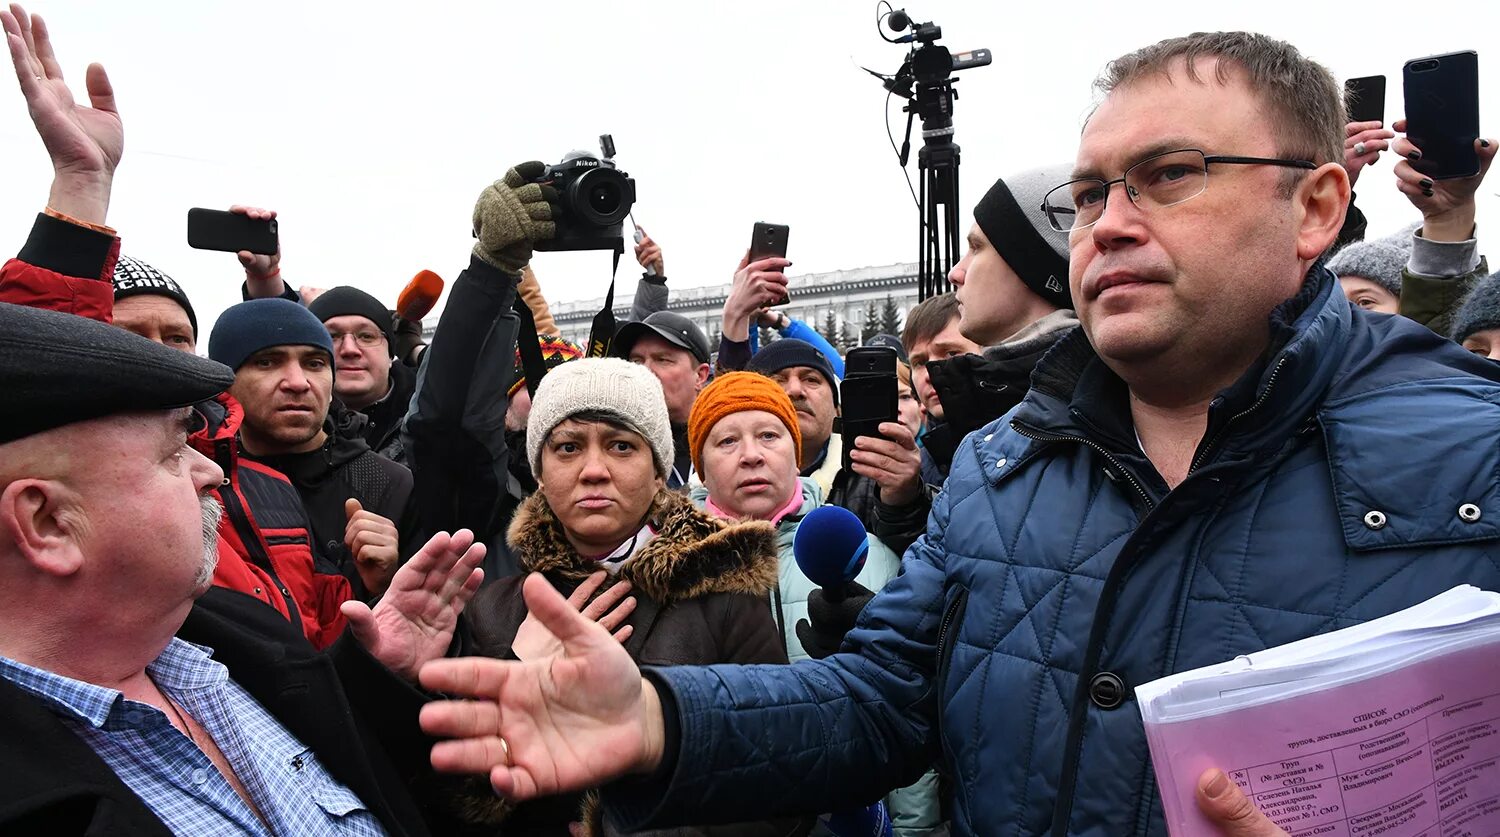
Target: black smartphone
x=1442, y=113
x=212, y=229
x=767, y=240
x=867, y=395
x=1365, y=99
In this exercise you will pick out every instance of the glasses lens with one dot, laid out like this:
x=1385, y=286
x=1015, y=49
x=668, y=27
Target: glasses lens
x=1074, y=205
x=1167, y=179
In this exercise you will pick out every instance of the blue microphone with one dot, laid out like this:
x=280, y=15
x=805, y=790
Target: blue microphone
x=830, y=547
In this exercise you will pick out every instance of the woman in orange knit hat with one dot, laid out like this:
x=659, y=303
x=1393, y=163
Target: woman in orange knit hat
x=745, y=445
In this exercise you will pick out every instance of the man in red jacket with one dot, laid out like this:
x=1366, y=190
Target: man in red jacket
x=71, y=263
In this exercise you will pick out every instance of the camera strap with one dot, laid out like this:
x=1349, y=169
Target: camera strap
x=533, y=366
x=602, y=332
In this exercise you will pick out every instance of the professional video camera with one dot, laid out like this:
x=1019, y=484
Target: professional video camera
x=594, y=198
x=926, y=79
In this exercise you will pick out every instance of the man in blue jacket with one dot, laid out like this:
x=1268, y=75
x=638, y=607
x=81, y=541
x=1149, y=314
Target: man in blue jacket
x=1226, y=456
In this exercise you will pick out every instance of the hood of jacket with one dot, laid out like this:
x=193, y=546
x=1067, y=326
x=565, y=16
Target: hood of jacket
x=693, y=553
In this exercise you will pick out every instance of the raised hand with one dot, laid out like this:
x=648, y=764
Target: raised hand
x=1363, y=142
x=1447, y=206
x=757, y=285
x=511, y=215
x=375, y=543
x=648, y=254
x=262, y=272
x=548, y=726
x=534, y=642
x=84, y=143
x=414, y=621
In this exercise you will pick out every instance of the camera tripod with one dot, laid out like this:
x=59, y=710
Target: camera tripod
x=926, y=80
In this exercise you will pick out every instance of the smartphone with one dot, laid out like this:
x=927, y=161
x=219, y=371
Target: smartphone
x=767, y=240
x=1442, y=113
x=212, y=229
x=1365, y=99
x=867, y=395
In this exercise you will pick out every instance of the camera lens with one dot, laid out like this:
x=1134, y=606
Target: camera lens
x=604, y=198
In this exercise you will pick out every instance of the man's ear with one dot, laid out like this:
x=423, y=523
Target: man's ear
x=1324, y=199
x=703, y=370
x=41, y=518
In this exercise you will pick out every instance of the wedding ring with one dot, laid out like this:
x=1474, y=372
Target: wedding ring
x=1359, y=148
x=505, y=748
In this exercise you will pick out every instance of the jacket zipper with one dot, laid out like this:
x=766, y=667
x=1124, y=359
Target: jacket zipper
x=1223, y=431
x=1039, y=436
x=945, y=657
x=229, y=496
x=949, y=616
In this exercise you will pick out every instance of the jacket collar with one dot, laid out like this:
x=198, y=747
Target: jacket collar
x=1075, y=394
x=693, y=553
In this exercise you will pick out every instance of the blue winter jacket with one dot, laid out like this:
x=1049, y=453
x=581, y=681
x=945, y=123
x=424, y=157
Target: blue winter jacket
x=1057, y=572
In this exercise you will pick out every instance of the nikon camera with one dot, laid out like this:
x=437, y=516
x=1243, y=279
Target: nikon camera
x=594, y=199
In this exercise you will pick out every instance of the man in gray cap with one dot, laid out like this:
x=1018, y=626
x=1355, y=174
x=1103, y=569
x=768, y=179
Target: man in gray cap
x=129, y=686
x=676, y=351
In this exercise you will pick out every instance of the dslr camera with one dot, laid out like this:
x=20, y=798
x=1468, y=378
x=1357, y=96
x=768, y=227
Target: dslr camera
x=594, y=198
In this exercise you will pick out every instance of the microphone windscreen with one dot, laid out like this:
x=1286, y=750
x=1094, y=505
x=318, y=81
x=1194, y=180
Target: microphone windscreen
x=419, y=296
x=830, y=546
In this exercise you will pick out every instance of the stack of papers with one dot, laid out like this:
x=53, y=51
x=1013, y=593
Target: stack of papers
x=1386, y=729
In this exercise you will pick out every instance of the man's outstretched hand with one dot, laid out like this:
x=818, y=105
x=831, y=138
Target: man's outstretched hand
x=413, y=622
x=548, y=726
x=85, y=143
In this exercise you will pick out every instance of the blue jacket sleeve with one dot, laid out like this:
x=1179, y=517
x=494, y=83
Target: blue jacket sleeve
x=818, y=735
x=803, y=331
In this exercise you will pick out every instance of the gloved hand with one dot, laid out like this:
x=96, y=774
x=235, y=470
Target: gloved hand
x=511, y=214
x=831, y=621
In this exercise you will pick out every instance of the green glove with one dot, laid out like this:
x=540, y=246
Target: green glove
x=511, y=214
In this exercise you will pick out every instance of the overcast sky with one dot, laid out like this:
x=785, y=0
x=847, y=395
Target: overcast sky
x=372, y=126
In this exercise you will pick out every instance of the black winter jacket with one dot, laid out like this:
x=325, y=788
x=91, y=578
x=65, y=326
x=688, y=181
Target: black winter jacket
x=340, y=469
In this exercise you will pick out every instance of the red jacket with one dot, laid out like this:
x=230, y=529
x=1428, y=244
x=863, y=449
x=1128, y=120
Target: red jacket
x=265, y=549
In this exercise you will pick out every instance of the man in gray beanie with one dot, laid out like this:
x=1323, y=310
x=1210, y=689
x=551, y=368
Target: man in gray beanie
x=1476, y=326
x=1013, y=299
x=1369, y=272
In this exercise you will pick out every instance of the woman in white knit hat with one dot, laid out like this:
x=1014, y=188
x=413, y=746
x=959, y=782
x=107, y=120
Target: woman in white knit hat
x=602, y=523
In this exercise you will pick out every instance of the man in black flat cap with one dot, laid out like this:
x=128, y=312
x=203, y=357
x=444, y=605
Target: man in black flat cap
x=138, y=699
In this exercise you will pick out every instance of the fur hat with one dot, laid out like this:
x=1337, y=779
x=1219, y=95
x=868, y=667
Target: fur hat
x=1480, y=311
x=737, y=392
x=624, y=390
x=1011, y=216
x=134, y=277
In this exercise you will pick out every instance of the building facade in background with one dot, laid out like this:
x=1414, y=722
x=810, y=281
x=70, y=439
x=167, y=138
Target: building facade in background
x=847, y=306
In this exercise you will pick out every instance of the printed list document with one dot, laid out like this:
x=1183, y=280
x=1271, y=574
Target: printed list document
x=1386, y=729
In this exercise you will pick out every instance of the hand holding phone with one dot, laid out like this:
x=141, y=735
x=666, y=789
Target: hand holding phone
x=768, y=241
x=232, y=232
x=876, y=444
x=1442, y=114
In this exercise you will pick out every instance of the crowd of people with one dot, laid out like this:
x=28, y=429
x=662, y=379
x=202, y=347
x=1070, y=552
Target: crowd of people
x=331, y=579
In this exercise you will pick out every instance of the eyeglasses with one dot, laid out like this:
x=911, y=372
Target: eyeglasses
x=1156, y=182
x=365, y=339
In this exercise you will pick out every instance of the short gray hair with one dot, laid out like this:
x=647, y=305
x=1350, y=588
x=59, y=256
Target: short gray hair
x=1306, y=105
